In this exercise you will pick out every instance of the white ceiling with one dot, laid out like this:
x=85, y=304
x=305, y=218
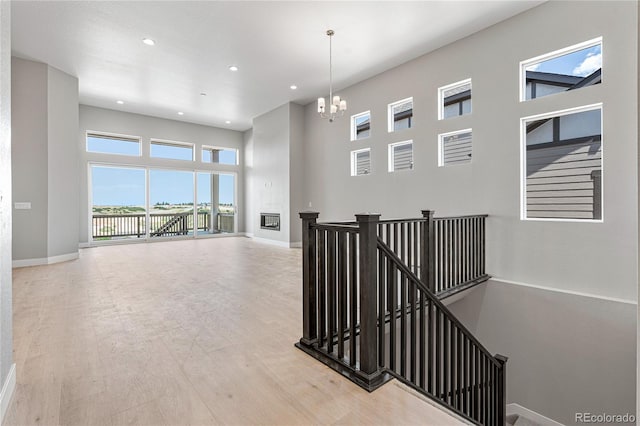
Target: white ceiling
x=275, y=45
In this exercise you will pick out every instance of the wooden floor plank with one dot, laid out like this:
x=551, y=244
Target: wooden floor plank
x=182, y=332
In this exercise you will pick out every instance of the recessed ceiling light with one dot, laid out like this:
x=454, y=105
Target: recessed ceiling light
x=233, y=68
x=180, y=113
x=203, y=94
x=120, y=102
x=227, y=122
x=293, y=87
x=148, y=42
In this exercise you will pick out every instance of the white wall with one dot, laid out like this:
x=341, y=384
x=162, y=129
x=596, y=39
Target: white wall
x=44, y=159
x=247, y=138
x=296, y=172
x=146, y=127
x=6, y=332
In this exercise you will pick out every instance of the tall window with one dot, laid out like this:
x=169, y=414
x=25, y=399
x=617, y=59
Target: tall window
x=361, y=125
x=571, y=68
x=562, y=165
x=454, y=99
x=361, y=162
x=400, y=115
x=401, y=156
x=112, y=144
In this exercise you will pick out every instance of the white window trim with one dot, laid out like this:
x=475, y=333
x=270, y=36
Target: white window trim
x=167, y=142
x=441, y=137
x=354, y=165
x=551, y=55
x=224, y=148
x=354, y=133
x=390, y=121
x=391, y=155
x=523, y=161
x=443, y=89
x=89, y=133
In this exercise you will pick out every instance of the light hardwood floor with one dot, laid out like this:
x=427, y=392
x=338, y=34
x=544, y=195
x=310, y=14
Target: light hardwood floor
x=182, y=332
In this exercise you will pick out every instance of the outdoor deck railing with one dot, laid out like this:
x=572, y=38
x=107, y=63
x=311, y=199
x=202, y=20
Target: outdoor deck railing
x=161, y=224
x=372, y=309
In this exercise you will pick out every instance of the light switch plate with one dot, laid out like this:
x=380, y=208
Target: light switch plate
x=22, y=206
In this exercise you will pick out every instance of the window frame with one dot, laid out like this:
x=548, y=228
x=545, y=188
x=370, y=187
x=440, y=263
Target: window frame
x=391, y=116
x=391, y=156
x=442, y=136
x=118, y=136
x=354, y=128
x=443, y=89
x=354, y=161
x=523, y=161
x=552, y=55
x=222, y=148
x=166, y=142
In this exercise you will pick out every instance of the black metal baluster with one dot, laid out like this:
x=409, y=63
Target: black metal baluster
x=403, y=325
x=438, y=347
x=445, y=359
x=392, y=277
x=382, y=288
x=454, y=364
x=412, y=307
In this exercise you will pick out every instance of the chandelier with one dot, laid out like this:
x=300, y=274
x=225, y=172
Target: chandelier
x=335, y=103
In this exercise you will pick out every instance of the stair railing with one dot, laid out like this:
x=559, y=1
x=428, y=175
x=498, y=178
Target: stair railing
x=369, y=315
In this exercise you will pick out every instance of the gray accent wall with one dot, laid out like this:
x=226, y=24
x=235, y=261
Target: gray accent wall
x=6, y=331
x=568, y=353
x=575, y=256
x=44, y=159
x=93, y=119
x=600, y=259
x=275, y=172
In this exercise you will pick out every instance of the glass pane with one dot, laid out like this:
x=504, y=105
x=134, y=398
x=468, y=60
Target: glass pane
x=118, y=203
x=363, y=162
x=107, y=145
x=361, y=125
x=173, y=152
x=564, y=176
x=402, y=115
x=216, y=207
x=456, y=99
x=565, y=72
x=403, y=157
x=220, y=155
x=456, y=149
x=170, y=203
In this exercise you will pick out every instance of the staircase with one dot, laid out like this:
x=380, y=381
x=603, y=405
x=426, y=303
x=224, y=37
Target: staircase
x=372, y=308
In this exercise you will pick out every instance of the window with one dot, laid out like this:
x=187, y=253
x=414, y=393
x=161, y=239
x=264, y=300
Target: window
x=111, y=144
x=361, y=162
x=361, y=125
x=562, y=165
x=400, y=115
x=171, y=150
x=211, y=154
x=566, y=69
x=401, y=156
x=454, y=99
x=454, y=148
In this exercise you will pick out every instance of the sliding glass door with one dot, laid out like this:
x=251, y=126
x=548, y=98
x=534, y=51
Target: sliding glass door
x=118, y=203
x=170, y=203
x=216, y=203
x=137, y=202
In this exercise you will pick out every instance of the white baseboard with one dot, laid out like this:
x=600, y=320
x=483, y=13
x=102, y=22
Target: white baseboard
x=45, y=260
x=248, y=234
x=271, y=242
x=531, y=415
x=84, y=245
x=7, y=391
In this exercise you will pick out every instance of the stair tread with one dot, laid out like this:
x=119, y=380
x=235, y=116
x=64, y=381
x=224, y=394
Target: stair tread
x=523, y=421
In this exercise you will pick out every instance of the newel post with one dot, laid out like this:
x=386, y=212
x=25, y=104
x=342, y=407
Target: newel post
x=309, y=302
x=368, y=232
x=428, y=251
x=502, y=389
